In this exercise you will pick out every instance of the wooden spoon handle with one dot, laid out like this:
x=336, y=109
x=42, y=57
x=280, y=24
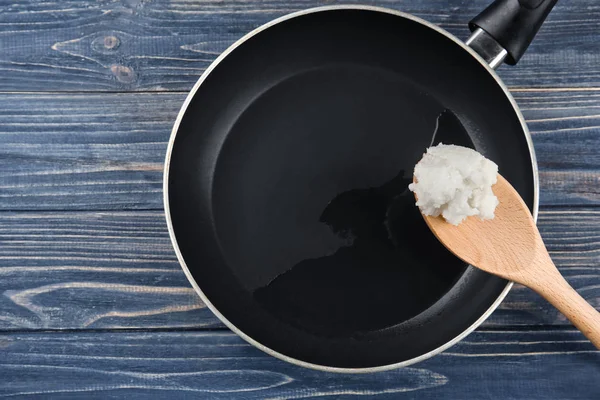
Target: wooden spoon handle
x=554, y=288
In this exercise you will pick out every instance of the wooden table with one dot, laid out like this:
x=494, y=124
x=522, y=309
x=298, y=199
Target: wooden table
x=93, y=302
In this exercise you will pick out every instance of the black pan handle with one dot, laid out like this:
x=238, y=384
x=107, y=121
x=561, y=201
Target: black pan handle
x=512, y=24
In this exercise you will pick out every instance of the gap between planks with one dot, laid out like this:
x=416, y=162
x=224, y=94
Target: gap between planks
x=159, y=91
x=141, y=210
x=489, y=329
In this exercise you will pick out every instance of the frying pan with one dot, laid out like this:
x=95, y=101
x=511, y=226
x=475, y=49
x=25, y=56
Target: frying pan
x=286, y=175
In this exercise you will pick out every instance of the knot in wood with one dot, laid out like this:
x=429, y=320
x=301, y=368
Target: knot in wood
x=123, y=73
x=111, y=42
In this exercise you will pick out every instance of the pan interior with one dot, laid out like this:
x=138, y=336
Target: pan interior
x=288, y=186
x=327, y=236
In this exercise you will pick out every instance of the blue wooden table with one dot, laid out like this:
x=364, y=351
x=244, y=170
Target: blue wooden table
x=92, y=300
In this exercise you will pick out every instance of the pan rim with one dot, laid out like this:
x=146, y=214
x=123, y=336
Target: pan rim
x=181, y=259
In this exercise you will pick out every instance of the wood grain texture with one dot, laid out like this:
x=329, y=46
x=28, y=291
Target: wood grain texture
x=117, y=270
x=93, y=270
x=124, y=45
x=63, y=267
x=106, y=151
x=218, y=365
x=84, y=151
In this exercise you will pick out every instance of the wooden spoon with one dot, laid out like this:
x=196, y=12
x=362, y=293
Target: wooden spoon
x=511, y=247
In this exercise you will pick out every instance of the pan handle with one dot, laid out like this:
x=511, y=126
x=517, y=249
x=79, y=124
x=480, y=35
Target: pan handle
x=504, y=30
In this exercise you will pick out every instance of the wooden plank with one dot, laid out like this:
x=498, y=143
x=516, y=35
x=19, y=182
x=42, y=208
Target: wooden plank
x=218, y=365
x=93, y=270
x=115, y=270
x=84, y=151
x=76, y=45
x=105, y=151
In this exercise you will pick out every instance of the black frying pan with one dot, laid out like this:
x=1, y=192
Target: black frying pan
x=286, y=176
